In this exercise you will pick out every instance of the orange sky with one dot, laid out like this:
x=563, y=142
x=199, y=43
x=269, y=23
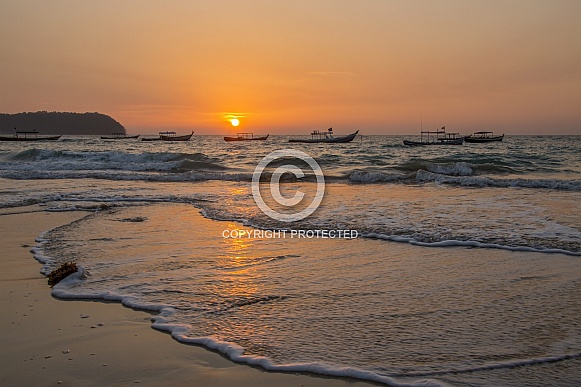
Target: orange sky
x=289, y=67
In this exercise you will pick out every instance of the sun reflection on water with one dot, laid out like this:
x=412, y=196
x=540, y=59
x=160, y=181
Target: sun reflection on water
x=236, y=260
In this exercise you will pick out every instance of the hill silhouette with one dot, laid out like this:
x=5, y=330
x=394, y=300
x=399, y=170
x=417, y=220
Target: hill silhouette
x=60, y=123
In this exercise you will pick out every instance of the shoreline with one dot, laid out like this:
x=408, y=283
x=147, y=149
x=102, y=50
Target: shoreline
x=48, y=341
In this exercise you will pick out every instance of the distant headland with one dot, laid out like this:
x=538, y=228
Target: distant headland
x=60, y=123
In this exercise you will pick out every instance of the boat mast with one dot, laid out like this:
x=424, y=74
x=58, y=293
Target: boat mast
x=421, y=127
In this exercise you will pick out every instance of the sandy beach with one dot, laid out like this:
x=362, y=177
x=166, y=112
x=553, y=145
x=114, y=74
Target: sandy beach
x=49, y=342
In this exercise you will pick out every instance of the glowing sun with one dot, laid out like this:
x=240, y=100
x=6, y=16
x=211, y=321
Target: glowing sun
x=235, y=121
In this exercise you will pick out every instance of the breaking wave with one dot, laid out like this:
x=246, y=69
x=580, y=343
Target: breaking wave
x=59, y=160
x=480, y=181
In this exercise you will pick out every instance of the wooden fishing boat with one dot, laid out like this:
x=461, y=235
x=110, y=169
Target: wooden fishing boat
x=168, y=136
x=325, y=137
x=119, y=136
x=479, y=137
x=28, y=136
x=436, y=137
x=246, y=137
x=171, y=136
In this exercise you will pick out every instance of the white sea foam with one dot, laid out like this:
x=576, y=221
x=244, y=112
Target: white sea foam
x=237, y=354
x=38, y=254
x=452, y=242
x=479, y=181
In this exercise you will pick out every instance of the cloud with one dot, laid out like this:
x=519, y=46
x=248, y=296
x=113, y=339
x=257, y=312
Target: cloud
x=231, y=115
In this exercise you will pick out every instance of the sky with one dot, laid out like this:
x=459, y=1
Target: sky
x=288, y=67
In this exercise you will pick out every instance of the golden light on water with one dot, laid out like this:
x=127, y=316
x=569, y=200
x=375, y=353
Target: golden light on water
x=238, y=254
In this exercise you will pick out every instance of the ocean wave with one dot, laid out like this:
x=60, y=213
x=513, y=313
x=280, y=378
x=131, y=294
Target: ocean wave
x=451, y=177
x=340, y=165
x=189, y=176
x=463, y=165
x=460, y=168
x=53, y=160
x=447, y=168
x=190, y=165
x=481, y=181
x=378, y=177
x=208, y=172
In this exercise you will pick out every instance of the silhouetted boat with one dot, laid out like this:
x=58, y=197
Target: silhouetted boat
x=168, y=136
x=171, y=136
x=479, y=137
x=28, y=136
x=246, y=137
x=325, y=137
x=119, y=136
x=436, y=137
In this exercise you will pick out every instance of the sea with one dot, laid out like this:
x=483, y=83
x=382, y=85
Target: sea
x=421, y=266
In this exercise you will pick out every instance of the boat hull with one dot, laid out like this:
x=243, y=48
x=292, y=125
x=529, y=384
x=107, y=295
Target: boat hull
x=262, y=138
x=45, y=138
x=334, y=140
x=458, y=141
x=477, y=140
